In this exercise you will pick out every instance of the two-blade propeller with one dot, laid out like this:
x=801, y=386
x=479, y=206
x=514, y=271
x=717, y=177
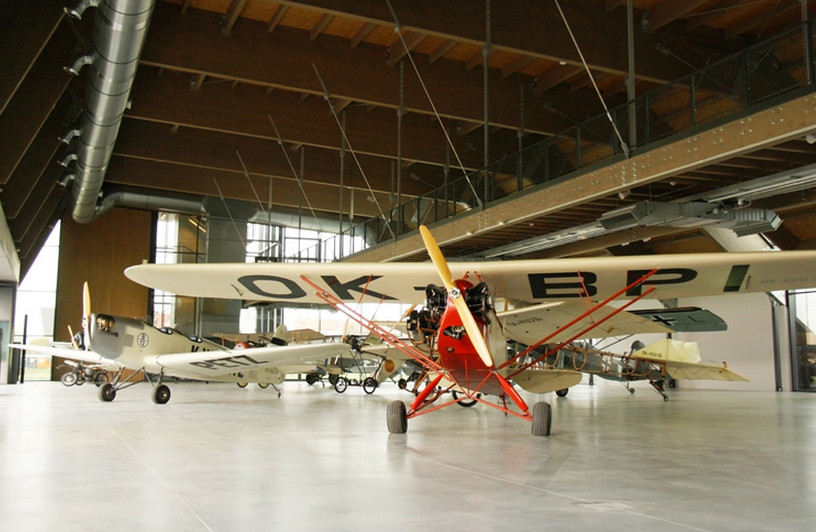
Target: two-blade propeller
x=472, y=328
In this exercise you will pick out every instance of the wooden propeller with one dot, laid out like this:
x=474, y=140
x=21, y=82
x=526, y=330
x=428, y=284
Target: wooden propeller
x=472, y=328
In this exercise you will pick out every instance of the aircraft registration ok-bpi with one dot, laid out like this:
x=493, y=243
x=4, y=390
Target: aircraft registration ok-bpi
x=469, y=353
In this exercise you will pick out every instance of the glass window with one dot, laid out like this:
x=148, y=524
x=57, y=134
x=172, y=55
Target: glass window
x=802, y=305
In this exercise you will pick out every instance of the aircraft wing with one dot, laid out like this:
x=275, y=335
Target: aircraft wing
x=683, y=361
x=540, y=380
x=536, y=281
x=203, y=364
x=530, y=324
x=66, y=351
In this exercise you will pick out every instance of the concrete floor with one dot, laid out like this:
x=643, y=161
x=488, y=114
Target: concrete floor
x=220, y=458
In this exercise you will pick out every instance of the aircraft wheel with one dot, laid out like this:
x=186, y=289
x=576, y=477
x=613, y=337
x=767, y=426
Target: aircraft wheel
x=665, y=398
x=312, y=378
x=562, y=392
x=107, y=392
x=396, y=418
x=465, y=402
x=402, y=384
x=263, y=385
x=80, y=380
x=242, y=384
x=369, y=385
x=341, y=385
x=333, y=379
x=631, y=390
x=100, y=378
x=161, y=394
x=69, y=379
x=542, y=419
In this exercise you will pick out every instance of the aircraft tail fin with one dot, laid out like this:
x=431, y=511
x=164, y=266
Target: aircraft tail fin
x=282, y=336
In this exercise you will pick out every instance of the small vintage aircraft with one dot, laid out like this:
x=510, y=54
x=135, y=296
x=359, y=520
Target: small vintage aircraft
x=469, y=354
x=141, y=349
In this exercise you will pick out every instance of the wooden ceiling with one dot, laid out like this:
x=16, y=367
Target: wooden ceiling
x=218, y=81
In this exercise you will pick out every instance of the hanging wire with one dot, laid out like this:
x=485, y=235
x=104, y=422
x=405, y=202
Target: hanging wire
x=224, y=201
x=397, y=29
x=294, y=172
x=251, y=185
x=592, y=79
x=327, y=97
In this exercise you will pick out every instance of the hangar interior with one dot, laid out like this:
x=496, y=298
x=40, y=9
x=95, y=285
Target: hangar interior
x=329, y=130
x=514, y=130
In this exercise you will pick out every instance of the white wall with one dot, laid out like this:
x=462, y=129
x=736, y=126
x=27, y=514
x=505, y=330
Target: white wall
x=747, y=346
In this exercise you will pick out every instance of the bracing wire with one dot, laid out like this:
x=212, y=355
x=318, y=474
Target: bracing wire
x=327, y=97
x=295, y=173
x=224, y=201
x=397, y=29
x=592, y=79
x=251, y=185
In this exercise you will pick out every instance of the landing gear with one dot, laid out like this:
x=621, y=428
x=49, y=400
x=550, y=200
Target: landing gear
x=242, y=384
x=465, y=402
x=312, y=378
x=562, y=392
x=340, y=385
x=658, y=385
x=542, y=419
x=263, y=385
x=161, y=394
x=107, y=392
x=369, y=385
x=397, y=418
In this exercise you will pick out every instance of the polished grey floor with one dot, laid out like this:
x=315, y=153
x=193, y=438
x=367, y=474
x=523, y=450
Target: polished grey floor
x=220, y=458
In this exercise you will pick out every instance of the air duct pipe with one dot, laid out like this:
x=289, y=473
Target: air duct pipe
x=120, y=29
x=149, y=202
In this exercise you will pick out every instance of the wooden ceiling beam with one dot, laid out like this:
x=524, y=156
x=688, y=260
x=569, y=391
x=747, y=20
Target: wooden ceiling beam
x=244, y=111
x=231, y=16
x=397, y=51
x=364, y=31
x=277, y=17
x=439, y=52
x=667, y=12
x=321, y=24
x=139, y=139
x=284, y=59
x=517, y=27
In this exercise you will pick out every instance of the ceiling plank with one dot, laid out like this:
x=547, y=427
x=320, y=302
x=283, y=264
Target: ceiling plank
x=231, y=16
x=397, y=51
x=667, y=12
x=277, y=17
x=319, y=26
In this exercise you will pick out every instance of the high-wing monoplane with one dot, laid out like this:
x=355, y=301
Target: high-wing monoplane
x=468, y=351
x=138, y=349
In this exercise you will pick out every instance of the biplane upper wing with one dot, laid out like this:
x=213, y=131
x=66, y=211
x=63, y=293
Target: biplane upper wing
x=535, y=281
x=202, y=364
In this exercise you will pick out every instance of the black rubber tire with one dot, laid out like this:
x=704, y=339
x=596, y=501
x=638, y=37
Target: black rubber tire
x=100, y=378
x=562, y=392
x=464, y=402
x=161, y=394
x=396, y=418
x=107, y=392
x=333, y=379
x=542, y=419
x=340, y=385
x=312, y=378
x=69, y=379
x=369, y=385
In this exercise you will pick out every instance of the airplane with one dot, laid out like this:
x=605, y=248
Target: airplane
x=470, y=352
x=160, y=353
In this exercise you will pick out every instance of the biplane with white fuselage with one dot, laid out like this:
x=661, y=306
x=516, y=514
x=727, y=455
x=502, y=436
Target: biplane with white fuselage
x=469, y=352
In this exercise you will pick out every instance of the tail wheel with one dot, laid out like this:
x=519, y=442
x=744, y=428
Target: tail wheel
x=465, y=402
x=107, y=392
x=369, y=385
x=161, y=394
x=397, y=418
x=242, y=384
x=263, y=385
x=69, y=379
x=340, y=385
x=542, y=419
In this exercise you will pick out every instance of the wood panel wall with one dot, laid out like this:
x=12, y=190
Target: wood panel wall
x=99, y=252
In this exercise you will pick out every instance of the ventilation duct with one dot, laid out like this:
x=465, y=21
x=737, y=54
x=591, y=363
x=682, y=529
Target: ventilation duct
x=150, y=203
x=120, y=29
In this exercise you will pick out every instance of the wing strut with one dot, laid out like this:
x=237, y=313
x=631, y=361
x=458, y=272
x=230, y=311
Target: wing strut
x=580, y=333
